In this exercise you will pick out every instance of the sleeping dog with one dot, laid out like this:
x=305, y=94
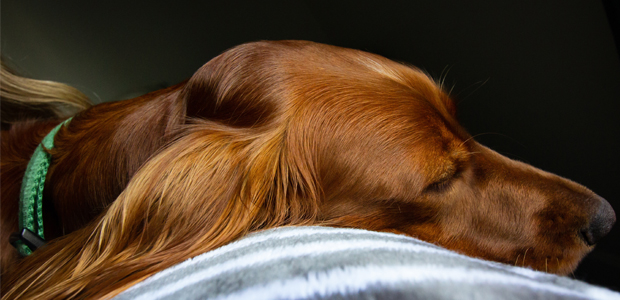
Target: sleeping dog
x=272, y=134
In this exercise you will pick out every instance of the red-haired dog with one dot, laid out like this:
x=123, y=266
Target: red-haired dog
x=273, y=134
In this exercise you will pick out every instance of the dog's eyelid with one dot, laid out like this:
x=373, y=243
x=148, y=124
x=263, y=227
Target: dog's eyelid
x=451, y=172
x=438, y=186
x=443, y=182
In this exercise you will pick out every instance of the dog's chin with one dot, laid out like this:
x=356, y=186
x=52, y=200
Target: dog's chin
x=554, y=259
x=567, y=256
x=568, y=266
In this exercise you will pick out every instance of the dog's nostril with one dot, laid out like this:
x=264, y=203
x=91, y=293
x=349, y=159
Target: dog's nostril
x=587, y=237
x=600, y=223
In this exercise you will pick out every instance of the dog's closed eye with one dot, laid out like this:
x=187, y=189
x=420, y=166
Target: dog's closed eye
x=450, y=170
x=444, y=181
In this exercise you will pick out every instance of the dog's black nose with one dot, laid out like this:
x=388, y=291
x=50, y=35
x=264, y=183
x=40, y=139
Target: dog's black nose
x=600, y=224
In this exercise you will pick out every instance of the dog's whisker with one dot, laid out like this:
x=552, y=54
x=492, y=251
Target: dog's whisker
x=451, y=89
x=495, y=133
x=479, y=83
x=477, y=135
x=443, y=76
x=472, y=153
x=514, y=156
x=524, y=256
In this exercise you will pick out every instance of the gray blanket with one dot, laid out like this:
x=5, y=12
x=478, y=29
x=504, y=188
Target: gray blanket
x=332, y=263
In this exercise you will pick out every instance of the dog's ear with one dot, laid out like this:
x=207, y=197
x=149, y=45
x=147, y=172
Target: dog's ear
x=212, y=185
x=226, y=171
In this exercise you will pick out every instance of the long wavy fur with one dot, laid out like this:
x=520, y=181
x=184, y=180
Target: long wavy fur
x=209, y=186
x=162, y=217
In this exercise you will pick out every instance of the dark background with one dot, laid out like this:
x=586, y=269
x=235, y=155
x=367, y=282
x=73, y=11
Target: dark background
x=538, y=80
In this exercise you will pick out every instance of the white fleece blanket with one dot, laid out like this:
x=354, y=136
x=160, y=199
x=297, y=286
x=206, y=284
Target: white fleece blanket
x=333, y=263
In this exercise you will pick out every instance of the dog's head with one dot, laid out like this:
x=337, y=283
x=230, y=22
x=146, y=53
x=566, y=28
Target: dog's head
x=376, y=145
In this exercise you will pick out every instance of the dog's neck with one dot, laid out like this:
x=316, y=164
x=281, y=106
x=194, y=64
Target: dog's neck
x=74, y=194
x=31, y=229
x=17, y=147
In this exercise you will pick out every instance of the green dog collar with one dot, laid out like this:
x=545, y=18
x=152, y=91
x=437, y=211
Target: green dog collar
x=30, y=236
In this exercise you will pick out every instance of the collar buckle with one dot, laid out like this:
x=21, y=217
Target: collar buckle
x=28, y=238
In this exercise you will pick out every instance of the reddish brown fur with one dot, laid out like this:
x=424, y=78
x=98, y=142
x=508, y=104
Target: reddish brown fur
x=272, y=134
x=24, y=139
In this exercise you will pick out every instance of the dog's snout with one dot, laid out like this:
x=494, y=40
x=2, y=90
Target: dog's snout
x=600, y=223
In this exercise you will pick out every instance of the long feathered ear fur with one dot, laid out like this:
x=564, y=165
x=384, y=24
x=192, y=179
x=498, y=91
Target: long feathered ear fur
x=212, y=184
